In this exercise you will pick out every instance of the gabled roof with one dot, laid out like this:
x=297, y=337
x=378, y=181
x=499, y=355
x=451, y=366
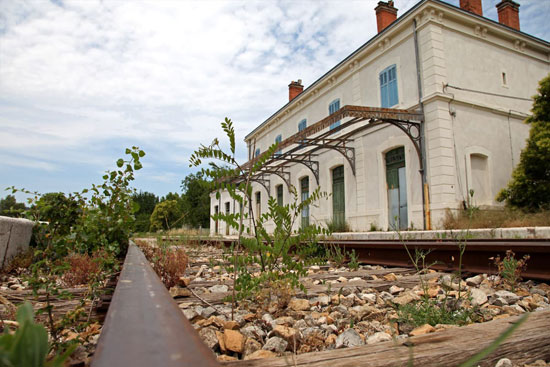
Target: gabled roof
x=399, y=20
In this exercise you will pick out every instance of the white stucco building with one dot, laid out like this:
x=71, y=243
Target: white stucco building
x=465, y=82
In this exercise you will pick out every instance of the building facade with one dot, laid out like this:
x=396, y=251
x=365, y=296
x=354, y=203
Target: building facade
x=447, y=90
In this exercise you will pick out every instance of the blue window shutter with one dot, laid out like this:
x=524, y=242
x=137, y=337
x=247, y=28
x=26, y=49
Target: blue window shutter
x=302, y=125
x=333, y=107
x=257, y=153
x=278, y=140
x=388, y=87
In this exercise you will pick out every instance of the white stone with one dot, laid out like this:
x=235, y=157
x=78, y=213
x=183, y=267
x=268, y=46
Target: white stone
x=378, y=337
x=509, y=297
x=504, y=362
x=275, y=344
x=349, y=338
x=219, y=288
x=478, y=297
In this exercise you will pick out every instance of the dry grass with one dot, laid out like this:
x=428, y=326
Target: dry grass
x=20, y=261
x=169, y=262
x=83, y=268
x=497, y=218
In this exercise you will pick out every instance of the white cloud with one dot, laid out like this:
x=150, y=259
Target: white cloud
x=78, y=79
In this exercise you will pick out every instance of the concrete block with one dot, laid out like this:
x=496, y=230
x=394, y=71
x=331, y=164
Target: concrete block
x=15, y=236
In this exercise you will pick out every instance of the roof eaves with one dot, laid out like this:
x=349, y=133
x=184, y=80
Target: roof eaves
x=380, y=34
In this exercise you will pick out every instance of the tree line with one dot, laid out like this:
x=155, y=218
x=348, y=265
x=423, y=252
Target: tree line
x=191, y=208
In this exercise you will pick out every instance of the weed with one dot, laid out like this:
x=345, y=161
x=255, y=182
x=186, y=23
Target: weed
x=336, y=254
x=510, y=268
x=353, y=260
x=430, y=311
x=374, y=227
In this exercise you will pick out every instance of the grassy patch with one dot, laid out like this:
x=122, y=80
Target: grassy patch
x=496, y=218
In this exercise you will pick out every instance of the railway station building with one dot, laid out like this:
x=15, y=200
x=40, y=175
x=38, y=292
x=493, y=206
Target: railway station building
x=428, y=110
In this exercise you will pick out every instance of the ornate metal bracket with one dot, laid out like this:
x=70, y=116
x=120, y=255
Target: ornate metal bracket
x=262, y=180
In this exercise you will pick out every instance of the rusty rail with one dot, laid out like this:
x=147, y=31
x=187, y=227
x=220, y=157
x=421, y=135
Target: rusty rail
x=445, y=253
x=144, y=326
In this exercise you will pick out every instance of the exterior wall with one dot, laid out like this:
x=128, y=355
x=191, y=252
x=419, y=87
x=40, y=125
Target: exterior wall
x=455, y=49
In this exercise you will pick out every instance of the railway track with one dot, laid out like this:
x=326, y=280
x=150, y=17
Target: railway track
x=145, y=327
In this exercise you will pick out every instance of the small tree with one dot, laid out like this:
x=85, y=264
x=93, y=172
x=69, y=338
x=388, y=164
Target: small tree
x=196, y=200
x=530, y=184
x=9, y=207
x=165, y=215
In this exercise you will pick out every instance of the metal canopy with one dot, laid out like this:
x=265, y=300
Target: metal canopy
x=305, y=143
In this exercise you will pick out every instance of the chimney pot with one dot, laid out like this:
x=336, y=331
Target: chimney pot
x=508, y=13
x=294, y=89
x=386, y=14
x=473, y=6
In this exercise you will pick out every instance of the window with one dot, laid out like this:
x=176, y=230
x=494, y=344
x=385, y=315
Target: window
x=216, y=211
x=257, y=153
x=227, y=211
x=302, y=126
x=333, y=107
x=278, y=140
x=279, y=195
x=304, y=185
x=388, y=87
x=258, y=204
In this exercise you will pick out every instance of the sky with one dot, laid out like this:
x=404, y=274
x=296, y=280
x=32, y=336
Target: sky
x=82, y=80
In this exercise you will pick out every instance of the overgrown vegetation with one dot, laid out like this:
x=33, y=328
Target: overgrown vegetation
x=77, y=240
x=530, y=184
x=449, y=309
x=270, y=252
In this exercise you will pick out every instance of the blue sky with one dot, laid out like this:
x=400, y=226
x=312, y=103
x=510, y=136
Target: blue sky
x=82, y=80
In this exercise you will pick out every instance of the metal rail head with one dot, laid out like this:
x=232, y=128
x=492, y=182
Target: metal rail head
x=144, y=326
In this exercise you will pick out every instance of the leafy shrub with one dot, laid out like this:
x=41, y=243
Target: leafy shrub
x=83, y=224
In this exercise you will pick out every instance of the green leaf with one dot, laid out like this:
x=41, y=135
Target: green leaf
x=128, y=151
x=120, y=162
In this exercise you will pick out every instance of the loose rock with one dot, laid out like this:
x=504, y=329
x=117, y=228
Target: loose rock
x=349, y=338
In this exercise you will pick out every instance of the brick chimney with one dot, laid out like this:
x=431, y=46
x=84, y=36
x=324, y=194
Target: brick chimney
x=508, y=13
x=386, y=13
x=294, y=89
x=473, y=6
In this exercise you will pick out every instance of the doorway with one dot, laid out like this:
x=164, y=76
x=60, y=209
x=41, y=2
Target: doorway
x=338, y=197
x=396, y=180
